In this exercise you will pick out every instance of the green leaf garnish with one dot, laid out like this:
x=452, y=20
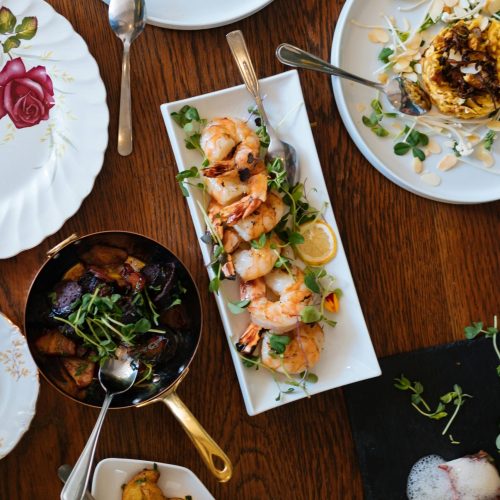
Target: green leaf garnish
x=238, y=307
x=278, y=343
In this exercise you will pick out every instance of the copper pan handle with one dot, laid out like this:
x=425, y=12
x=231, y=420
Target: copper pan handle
x=206, y=446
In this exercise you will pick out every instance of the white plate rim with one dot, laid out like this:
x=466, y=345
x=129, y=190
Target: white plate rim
x=338, y=85
x=373, y=369
x=187, y=25
x=27, y=403
x=45, y=228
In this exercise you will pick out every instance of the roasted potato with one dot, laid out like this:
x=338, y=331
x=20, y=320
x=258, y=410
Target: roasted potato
x=143, y=487
x=54, y=343
x=100, y=255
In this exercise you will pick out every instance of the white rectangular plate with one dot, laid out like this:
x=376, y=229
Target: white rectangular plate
x=348, y=355
x=175, y=481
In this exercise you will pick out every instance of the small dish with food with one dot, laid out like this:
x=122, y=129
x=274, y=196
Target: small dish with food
x=128, y=479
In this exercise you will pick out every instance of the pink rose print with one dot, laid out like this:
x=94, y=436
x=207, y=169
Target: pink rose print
x=26, y=96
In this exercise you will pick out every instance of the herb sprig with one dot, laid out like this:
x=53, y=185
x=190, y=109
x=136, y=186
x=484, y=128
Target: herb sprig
x=373, y=121
x=412, y=142
x=476, y=329
x=455, y=397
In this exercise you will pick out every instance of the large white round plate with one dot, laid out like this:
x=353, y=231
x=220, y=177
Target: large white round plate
x=49, y=167
x=199, y=14
x=352, y=51
x=18, y=386
x=175, y=481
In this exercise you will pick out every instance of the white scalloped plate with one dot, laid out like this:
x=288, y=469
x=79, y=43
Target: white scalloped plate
x=348, y=354
x=352, y=51
x=18, y=386
x=49, y=168
x=199, y=14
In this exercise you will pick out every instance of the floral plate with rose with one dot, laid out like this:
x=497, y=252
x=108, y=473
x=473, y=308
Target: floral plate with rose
x=53, y=123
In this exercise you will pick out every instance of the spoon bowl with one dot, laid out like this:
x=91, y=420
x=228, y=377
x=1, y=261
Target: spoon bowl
x=404, y=95
x=278, y=149
x=127, y=19
x=116, y=375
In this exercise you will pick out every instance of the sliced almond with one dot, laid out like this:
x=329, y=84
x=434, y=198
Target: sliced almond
x=492, y=6
x=450, y=3
x=473, y=139
x=483, y=24
x=433, y=147
x=431, y=178
x=486, y=157
x=494, y=125
x=383, y=78
x=361, y=107
x=436, y=9
x=418, y=166
x=378, y=35
x=414, y=42
x=447, y=162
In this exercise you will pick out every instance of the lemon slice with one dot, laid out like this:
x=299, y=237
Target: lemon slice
x=320, y=243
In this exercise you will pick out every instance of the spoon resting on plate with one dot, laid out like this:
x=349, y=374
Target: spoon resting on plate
x=403, y=94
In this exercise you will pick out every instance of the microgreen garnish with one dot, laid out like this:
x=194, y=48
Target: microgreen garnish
x=455, y=397
x=278, y=343
x=98, y=322
x=239, y=306
x=377, y=115
x=471, y=332
x=384, y=55
x=489, y=139
x=261, y=128
x=260, y=243
x=428, y=22
x=189, y=120
x=190, y=173
x=411, y=143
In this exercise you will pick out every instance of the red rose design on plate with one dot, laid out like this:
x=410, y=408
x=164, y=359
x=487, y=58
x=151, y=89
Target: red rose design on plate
x=26, y=96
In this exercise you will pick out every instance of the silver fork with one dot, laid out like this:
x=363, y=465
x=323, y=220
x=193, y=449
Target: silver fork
x=278, y=149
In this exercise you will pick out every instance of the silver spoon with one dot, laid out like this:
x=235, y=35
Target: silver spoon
x=64, y=471
x=116, y=376
x=278, y=149
x=127, y=19
x=406, y=96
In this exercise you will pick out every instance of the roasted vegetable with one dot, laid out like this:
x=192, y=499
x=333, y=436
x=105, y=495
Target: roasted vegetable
x=64, y=297
x=100, y=255
x=143, y=487
x=80, y=370
x=54, y=343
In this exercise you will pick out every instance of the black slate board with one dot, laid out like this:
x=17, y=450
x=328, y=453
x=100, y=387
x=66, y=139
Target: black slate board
x=390, y=435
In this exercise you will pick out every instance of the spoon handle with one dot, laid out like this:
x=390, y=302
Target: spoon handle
x=76, y=485
x=125, y=120
x=298, y=58
x=241, y=55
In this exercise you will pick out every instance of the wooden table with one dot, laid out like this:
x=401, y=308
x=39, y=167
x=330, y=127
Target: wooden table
x=423, y=270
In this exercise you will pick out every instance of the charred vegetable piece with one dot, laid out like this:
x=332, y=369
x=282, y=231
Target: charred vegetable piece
x=64, y=297
x=109, y=274
x=130, y=312
x=158, y=348
x=67, y=384
x=80, y=370
x=54, y=343
x=89, y=282
x=74, y=273
x=100, y=255
x=143, y=487
x=250, y=339
x=135, y=263
x=176, y=317
x=134, y=279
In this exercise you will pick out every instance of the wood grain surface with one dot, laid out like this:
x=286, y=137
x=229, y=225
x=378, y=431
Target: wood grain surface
x=423, y=270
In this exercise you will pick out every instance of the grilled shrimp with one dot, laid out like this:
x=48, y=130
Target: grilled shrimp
x=225, y=190
x=230, y=143
x=301, y=354
x=283, y=314
x=263, y=220
x=253, y=263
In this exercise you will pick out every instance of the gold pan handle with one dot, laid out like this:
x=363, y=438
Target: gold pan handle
x=206, y=446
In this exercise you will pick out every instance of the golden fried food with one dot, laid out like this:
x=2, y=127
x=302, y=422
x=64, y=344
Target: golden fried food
x=461, y=69
x=143, y=487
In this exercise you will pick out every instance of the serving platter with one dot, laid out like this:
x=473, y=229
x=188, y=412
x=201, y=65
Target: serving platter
x=18, y=386
x=348, y=354
x=353, y=51
x=53, y=123
x=175, y=481
x=198, y=14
